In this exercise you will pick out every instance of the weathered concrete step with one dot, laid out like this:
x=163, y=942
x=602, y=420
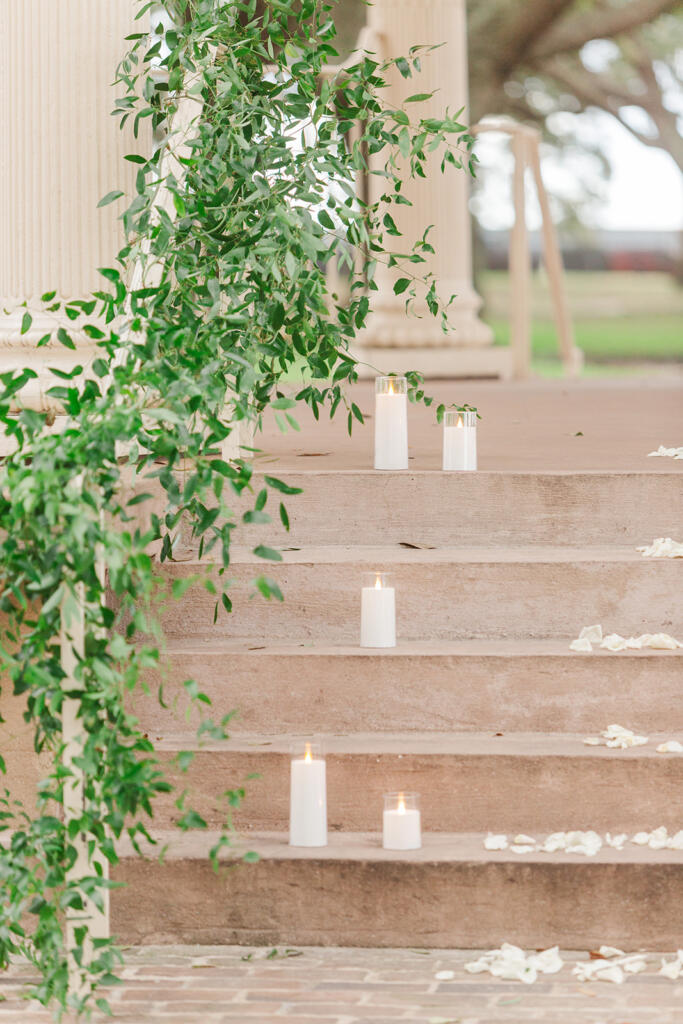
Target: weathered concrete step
x=444, y=686
x=449, y=593
x=451, y=893
x=431, y=507
x=468, y=783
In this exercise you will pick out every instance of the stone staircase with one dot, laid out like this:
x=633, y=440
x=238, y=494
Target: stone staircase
x=481, y=708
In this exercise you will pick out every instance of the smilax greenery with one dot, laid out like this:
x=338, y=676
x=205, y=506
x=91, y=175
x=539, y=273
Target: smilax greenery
x=217, y=298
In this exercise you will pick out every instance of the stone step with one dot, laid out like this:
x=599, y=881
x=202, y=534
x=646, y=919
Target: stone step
x=442, y=686
x=470, y=782
x=450, y=894
x=430, y=507
x=448, y=593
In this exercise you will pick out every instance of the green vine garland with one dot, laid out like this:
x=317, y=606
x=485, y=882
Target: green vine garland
x=232, y=298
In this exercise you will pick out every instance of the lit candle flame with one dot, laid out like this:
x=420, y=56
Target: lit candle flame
x=401, y=804
x=391, y=388
x=308, y=756
x=378, y=582
x=459, y=423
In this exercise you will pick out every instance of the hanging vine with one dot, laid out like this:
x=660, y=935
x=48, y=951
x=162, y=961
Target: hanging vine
x=217, y=296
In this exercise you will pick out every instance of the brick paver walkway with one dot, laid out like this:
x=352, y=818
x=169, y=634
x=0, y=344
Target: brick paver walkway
x=224, y=985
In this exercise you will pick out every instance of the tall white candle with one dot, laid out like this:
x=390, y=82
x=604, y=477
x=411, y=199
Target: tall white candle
x=391, y=423
x=401, y=822
x=308, y=798
x=459, y=440
x=377, y=612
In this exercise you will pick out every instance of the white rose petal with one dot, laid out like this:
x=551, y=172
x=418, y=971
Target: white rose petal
x=662, y=547
x=495, y=842
x=670, y=747
x=617, y=842
x=671, y=969
x=641, y=838
x=614, y=642
x=661, y=642
x=608, y=952
x=521, y=838
x=444, y=975
x=592, y=633
x=522, y=848
x=676, y=843
x=593, y=741
x=510, y=963
x=611, y=973
x=581, y=645
x=672, y=453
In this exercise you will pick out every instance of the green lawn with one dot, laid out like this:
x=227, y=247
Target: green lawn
x=610, y=339
x=618, y=318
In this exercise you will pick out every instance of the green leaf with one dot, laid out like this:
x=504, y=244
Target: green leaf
x=419, y=97
x=65, y=339
x=403, y=66
x=284, y=517
x=26, y=322
x=261, y=551
x=110, y=198
x=280, y=485
x=401, y=285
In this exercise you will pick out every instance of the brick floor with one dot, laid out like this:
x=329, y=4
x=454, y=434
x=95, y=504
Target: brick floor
x=224, y=985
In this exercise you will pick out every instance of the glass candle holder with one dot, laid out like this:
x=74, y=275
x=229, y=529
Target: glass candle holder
x=459, y=440
x=391, y=423
x=402, y=828
x=377, y=611
x=308, y=795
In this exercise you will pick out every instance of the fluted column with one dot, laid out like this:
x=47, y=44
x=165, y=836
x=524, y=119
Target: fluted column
x=60, y=152
x=394, y=340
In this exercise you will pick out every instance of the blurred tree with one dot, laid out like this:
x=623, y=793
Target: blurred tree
x=531, y=59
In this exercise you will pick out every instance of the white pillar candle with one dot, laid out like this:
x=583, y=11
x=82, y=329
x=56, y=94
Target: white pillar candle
x=308, y=798
x=377, y=612
x=391, y=423
x=402, y=829
x=459, y=440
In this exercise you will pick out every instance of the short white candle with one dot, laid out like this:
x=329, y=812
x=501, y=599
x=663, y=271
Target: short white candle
x=308, y=799
x=377, y=612
x=459, y=440
x=401, y=821
x=391, y=423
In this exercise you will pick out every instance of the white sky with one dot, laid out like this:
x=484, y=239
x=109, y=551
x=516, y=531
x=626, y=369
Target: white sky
x=645, y=191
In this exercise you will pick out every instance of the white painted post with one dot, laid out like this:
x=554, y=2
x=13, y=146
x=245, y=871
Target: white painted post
x=520, y=271
x=572, y=357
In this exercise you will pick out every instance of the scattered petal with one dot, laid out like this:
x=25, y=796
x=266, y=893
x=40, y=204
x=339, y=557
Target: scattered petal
x=522, y=848
x=511, y=963
x=592, y=741
x=662, y=547
x=582, y=645
x=614, y=642
x=670, y=747
x=592, y=633
x=522, y=839
x=608, y=952
x=495, y=842
x=672, y=453
x=444, y=975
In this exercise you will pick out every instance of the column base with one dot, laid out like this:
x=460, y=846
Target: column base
x=445, y=361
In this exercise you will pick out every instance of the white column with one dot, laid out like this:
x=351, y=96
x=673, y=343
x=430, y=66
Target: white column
x=394, y=341
x=61, y=152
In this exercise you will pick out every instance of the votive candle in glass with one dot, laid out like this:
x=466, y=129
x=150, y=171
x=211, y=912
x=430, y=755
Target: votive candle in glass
x=377, y=611
x=459, y=439
x=391, y=423
x=308, y=796
x=401, y=822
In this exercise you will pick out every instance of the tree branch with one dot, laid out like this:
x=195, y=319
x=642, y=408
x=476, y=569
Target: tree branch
x=573, y=32
x=599, y=90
